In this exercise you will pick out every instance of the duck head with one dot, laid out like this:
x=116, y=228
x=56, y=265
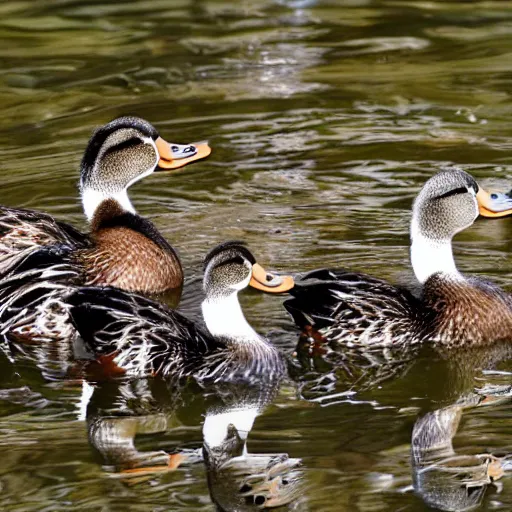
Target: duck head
x=229, y=268
x=448, y=203
x=124, y=151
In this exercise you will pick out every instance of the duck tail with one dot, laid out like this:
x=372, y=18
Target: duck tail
x=22, y=229
x=30, y=281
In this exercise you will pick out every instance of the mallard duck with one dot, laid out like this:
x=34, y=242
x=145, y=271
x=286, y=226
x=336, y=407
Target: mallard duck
x=452, y=309
x=122, y=248
x=134, y=335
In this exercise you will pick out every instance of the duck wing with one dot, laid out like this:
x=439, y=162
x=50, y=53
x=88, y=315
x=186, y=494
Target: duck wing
x=354, y=308
x=143, y=337
x=32, y=292
x=28, y=229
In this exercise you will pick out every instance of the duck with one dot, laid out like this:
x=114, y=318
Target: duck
x=138, y=337
x=122, y=248
x=450, y=310
x=127, y=333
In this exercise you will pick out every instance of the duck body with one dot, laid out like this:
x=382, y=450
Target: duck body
x=139, y=338
x=360, y=310
x=144, y=338
x=451, y=309
x=122, y=248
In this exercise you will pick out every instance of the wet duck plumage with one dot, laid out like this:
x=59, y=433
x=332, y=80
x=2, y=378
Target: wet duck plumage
x=451, y=309
x=122, y=248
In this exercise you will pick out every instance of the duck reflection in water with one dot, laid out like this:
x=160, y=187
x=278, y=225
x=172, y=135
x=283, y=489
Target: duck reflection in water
x=237, y=480
x=443, y=478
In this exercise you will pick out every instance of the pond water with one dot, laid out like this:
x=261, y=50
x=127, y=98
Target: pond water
x=325, y=117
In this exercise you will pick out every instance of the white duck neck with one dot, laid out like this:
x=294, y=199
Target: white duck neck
x=430, y=257
x=91, y=199
x=224, y=318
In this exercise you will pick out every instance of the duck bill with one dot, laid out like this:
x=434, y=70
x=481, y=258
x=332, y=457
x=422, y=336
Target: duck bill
x=270, y=283
x=496, y=204
x=174, y=156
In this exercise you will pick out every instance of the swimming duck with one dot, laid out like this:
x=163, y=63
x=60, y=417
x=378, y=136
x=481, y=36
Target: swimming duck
x=122, y=248
x=141, y=337
x=452, y=309
x=133, y=335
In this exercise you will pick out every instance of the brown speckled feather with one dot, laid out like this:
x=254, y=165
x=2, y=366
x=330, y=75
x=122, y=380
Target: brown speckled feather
x=127, y=259
x=467, y=312
x=129, y=253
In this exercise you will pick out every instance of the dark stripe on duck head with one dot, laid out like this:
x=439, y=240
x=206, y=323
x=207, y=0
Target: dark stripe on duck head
x=235, y=247
x=454, y=192
x=126, y=144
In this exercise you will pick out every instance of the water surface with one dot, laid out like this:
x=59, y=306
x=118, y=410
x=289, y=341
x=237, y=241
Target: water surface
x=325, y=117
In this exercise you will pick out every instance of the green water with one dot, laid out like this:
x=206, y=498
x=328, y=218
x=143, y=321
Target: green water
x=325, y=118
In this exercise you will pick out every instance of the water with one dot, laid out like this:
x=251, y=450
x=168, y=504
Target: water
x=325, y=117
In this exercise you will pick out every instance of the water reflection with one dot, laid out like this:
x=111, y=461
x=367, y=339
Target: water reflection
x=118, y=412
x=447, y=478
x=442, y=478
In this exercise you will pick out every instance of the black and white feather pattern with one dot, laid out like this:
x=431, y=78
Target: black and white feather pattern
x=355, y=309
x=22, y=230
x=147, y=338
x=33, y=313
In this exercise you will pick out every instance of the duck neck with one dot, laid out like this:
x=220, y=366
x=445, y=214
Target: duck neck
x=430, y=257
x=92, y=199
x=224, y=318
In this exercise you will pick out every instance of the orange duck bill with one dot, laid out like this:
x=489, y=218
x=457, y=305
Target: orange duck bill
x=174, y=156
x=270, y=283
x=494, y=204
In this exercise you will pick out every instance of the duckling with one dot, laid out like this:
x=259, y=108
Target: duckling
x=137, y=336
x=452, y=309
x=122, y=249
